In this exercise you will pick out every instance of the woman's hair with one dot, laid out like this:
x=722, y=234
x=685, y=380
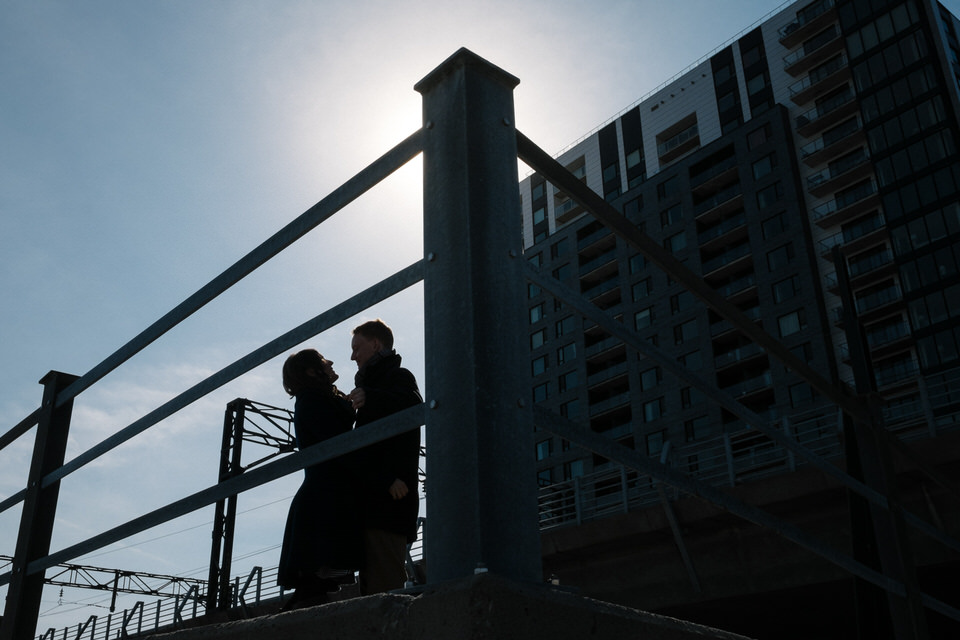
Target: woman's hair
x=295, y=376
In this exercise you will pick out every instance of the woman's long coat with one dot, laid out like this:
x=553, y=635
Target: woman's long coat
x=323, y=525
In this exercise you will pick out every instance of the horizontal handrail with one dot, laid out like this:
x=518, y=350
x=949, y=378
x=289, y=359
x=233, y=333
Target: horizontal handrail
x=395, y=424
x=330, y=318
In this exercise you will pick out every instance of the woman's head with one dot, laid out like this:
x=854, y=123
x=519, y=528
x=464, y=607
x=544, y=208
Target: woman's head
x=307, y=369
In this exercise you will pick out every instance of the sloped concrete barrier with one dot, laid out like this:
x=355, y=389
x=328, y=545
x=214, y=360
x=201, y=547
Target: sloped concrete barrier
x=482, y=607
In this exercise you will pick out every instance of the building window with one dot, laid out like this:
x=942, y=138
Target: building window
x=685, y=332
x=676, y=242
x=538, y=191
x=559, y=248
x=773, y=226
x=541, y=392
x=690, y=396
x=568, y=381
x=681, y=302
x=536, y=260
x=643, y=318
x=545, y=477
x=672, y=215
x=540, y=236
x=758, y=136
x=649, y=379
x=779, y=257
x=539, y=365
x=566, y=325
x=756, y=84
x=539, y=215
x=669, y=188
x=800, y=394
x=690, y=360
x=696, y=428
x=653, y=409
x=566, y=353
x=571, y=409
x=536, y=313
x=769, y=195
x=764, y=166
x=538, y=338
x=562, y=272
x=637, y=263
x=572, y=469
x=543, y=449
x=533, y=290
x=786, y=289
x=791, y=323
x=641, y=289
x=655, y=442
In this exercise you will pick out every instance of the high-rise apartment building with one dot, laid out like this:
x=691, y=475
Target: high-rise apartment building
x=826, y=138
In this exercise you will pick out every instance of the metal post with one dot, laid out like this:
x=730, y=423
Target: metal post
x=483, y=495
x=879, y=535
x=39, y=510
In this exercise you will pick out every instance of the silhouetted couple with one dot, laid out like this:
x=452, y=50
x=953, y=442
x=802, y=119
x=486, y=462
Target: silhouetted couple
x=359, y=511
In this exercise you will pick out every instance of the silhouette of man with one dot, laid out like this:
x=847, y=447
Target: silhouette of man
x=387, y=469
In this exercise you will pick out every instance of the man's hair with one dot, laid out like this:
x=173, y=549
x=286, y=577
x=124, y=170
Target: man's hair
x=376, y=330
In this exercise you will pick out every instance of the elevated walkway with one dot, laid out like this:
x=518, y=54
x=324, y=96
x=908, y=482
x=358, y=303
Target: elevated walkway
x=482, y=606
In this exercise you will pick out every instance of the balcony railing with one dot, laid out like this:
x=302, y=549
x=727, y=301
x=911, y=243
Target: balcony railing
x=817, y=75
x=669, y=145
x=731, y=255
x=804, y=17
x=837, y=170
x=719, y=198
x=870, y=263
x=845, y=200
x=811, y=47
x=724, y=227
x=825, y=109
x=887, y=334
x=879, y=299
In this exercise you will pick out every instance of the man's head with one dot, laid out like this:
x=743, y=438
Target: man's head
x=368, y=339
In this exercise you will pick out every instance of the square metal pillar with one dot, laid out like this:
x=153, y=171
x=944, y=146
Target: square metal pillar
x=482, y=489
x=39, y=510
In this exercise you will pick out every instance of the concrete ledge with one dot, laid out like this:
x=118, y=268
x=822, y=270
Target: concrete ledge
x=481, y=607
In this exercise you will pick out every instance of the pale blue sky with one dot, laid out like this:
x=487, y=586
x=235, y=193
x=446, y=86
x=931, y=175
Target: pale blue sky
x=146, y=146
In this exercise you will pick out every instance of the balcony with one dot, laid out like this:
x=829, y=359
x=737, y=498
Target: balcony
x=871, y=304
x=868, y=268
x=847, y=206
x=720, y=204
x=607, y=374
x=603, y=234
x=857, y=237
x=678, y=145
x=750, y=385
x=736, y=289
x=821, y=81
x=567, y=210
x=601, y=347
x=883, y=339
x=609, y=404
x=827, y=114
x=716, y=176
x=728, y=258
x=599, y=266
x=815, y=51
x=834, y=144
x=841, y=175
x=724, y=230
x=809, y=20
x=724, y=326
x=738, y=355
x=898, y=373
